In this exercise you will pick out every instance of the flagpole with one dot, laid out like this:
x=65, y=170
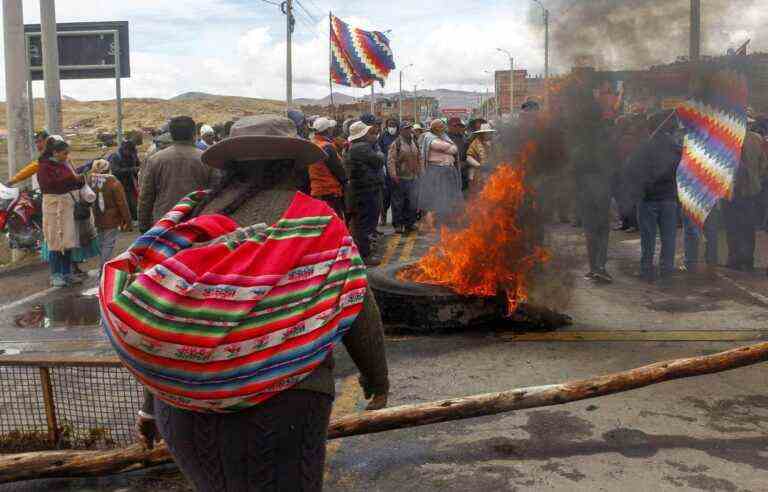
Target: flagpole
x=373, y=98
x=330, y=56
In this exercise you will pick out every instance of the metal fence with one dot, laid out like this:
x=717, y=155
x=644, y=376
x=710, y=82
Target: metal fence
x=66, y=404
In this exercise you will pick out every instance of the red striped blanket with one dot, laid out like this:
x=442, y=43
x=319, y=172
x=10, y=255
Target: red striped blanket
x=225, y=325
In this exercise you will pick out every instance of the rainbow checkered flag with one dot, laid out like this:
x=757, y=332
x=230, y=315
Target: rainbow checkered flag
x=358, y=58
x=716, y=122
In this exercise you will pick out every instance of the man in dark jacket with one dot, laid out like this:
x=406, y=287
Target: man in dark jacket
x=125, y=165
x=171, y=174
x=592, y=157
x=653, y=168
x=364, y=163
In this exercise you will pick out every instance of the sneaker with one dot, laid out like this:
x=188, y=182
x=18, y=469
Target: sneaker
x=400, y=230
x=603, y=277
x=589, y=276
x=73, y=280
x=58, y=281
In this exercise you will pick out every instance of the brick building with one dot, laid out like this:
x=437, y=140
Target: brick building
x=526, y=88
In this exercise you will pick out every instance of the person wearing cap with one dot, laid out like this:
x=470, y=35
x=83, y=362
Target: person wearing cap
x=172, y=173
x=457, y=133
x=478, y=154
x=263, y=427
x=30, y=169
x=327, y=177
x=207, y=137
x=403, y=168
x=364, y=163
x=300, y=120
x=440, y=185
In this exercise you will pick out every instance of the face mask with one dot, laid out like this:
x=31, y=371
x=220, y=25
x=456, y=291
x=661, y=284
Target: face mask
x=391, y=130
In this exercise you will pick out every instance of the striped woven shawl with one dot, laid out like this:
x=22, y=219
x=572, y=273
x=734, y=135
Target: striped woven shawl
x=226, y=324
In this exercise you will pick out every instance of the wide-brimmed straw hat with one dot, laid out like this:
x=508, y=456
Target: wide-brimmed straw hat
x=267, y=137
x=358, y=130
x=484, y=128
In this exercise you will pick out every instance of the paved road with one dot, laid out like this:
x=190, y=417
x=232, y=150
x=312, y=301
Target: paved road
x=701, y=434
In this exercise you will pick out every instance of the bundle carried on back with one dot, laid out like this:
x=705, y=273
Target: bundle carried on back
x=214, y=318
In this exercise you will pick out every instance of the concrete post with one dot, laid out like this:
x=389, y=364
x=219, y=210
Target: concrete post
x=16, y=73
x=50, y=42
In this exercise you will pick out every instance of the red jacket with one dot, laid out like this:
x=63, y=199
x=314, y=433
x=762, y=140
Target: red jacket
x=57, y=178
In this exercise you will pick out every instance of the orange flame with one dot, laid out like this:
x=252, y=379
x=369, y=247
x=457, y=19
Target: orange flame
x=494, y=253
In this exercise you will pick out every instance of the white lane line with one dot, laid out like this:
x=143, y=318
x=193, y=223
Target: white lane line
x=28, y=299
x=753, y=295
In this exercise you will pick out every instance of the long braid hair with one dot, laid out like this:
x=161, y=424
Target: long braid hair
x=262, y=175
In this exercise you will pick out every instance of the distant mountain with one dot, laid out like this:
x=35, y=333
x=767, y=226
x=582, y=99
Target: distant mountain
x=193, y=95
x=67, y=98
x=447, y=98
x=338, y=98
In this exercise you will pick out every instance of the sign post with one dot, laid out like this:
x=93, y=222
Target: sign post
x=87, y=50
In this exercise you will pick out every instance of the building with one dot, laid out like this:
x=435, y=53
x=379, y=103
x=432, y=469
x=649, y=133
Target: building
x=423, y=107
x=526, y=88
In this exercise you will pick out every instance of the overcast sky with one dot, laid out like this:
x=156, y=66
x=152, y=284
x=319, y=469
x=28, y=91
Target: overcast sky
x=237, y=47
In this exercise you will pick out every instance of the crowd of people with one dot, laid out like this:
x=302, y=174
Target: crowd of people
x=375, y=168
x=597, y=160
x=84, y=208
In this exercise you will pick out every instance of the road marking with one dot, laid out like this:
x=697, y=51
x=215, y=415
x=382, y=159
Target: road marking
x=410, y=243
x=640, y=336
x=754, y=295
x=28, y=299
x=392, y=245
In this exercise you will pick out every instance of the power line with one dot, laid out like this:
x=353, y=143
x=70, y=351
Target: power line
x=301, y=6
x=271, y=3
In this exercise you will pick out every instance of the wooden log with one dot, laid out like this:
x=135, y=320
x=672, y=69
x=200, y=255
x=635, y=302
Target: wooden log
x=93, y=463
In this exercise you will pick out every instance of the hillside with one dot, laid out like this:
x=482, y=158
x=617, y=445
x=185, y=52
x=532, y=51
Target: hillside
x=92, y=117
x=446, y=98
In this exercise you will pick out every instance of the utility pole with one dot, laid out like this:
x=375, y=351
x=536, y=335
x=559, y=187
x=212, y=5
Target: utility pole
x=695, y=52
x=511, y=83
x=401, y=90
x=290, y=23
x=16, y=95
x=546, y=45
x=373, y=98
x=415, y=104
x=50, y=42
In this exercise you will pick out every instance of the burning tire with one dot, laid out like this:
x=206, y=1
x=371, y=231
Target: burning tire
x=420, y=308
x=410, y=307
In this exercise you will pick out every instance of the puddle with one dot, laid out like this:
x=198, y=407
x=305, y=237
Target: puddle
x=63, y=313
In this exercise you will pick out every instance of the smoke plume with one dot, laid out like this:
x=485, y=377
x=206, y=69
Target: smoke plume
x=628, y=34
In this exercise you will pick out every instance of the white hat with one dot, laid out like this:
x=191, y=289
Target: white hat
x=207, y=130
x=417, y=126
x=485, y=128
x=322, y=124
x=358, y=130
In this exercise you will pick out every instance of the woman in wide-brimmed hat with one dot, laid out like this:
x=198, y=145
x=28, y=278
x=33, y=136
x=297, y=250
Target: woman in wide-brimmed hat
x=231, y=326
x=478, y=154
